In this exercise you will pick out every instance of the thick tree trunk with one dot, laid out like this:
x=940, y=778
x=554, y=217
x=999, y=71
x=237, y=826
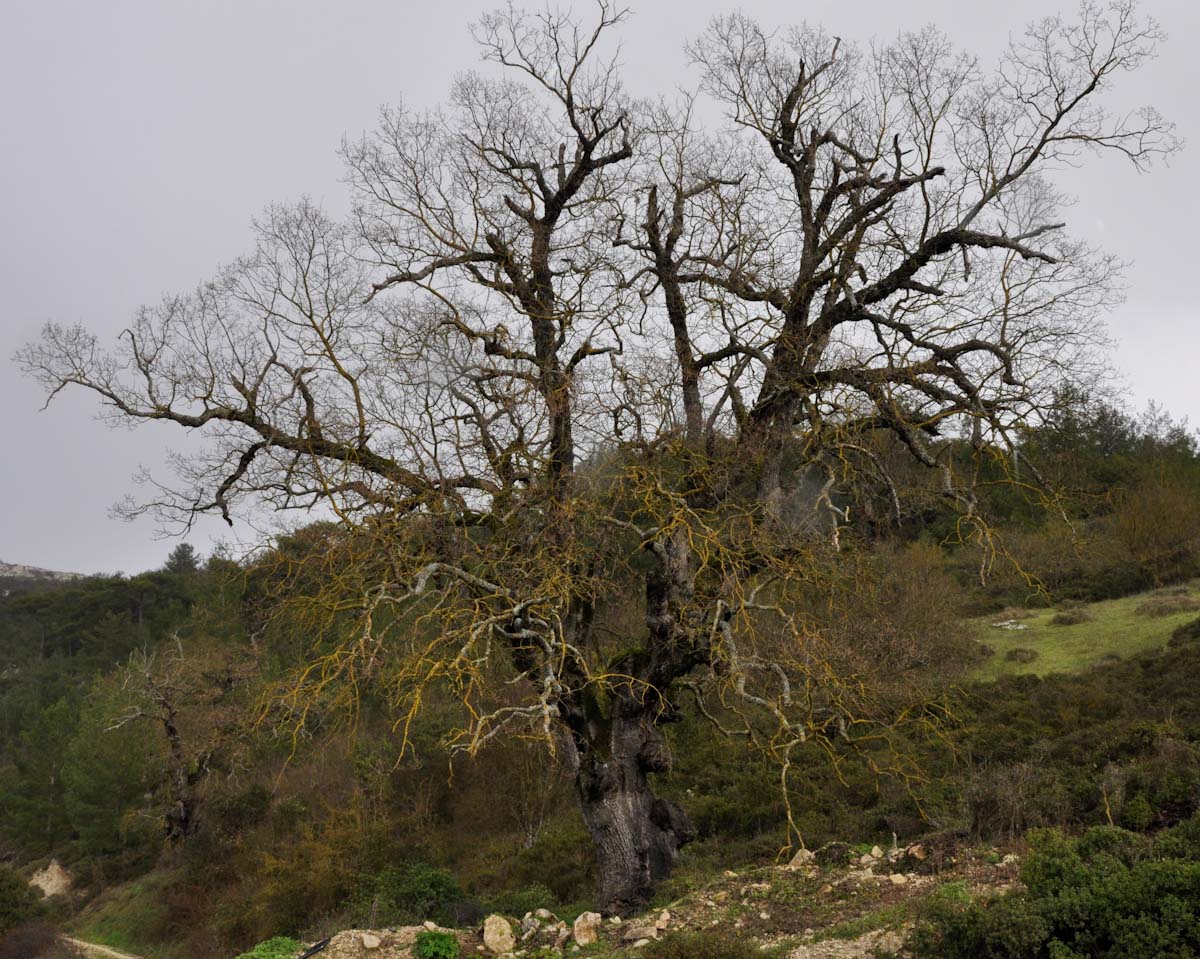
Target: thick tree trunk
x=636, y=834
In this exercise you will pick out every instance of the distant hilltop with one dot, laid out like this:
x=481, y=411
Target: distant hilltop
x=20, y=571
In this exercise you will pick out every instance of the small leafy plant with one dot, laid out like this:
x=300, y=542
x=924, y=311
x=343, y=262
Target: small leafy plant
x=280, y=947
x=436, y=945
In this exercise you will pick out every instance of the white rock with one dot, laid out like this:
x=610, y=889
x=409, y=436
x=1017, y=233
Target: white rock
x=802, y=858
x=876, y=852
x=52, y=880
x=898, y=879
x=636, y=931
x=529, y=928
x=641, y=944
x=498, y=935
x=370, y=941
x=430, y=925
x=587, y=928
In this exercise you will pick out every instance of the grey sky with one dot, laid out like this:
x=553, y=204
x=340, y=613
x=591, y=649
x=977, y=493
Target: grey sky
x=137, y=139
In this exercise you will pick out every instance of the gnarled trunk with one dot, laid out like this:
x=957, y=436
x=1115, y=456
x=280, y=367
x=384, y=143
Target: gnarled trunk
x=636, y=834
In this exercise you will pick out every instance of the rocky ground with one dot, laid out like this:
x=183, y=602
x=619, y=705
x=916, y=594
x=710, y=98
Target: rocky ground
x=835, y=903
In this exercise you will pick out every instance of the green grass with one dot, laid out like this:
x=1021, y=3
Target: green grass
x=126, y=917
x=1114, y=629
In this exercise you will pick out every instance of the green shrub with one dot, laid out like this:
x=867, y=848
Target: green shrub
x=410, y=893
x=702, y=945
x=1071, y=616
x=19, y=902
x=436, y=945
x=1185, y=633
x=281, y=947
x=1109, y=893
x=520, y=901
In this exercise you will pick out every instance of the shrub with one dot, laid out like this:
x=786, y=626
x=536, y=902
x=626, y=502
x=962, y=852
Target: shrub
x=411, y=893
x=436, y=945
x=19, y=902
x=281, y=947
x=702, y=945
x=520, y=901
x=1109, y=893
x=1167, y=604
x=1186, y=633
x=35, y=941
x=1071, y=617
x=1006, y=800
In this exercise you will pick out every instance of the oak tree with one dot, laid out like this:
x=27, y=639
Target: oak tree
x=570, y=340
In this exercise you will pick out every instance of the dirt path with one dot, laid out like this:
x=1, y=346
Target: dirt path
x=91, y=949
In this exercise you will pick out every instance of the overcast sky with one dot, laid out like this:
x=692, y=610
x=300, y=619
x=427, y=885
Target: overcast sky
x=137, y=139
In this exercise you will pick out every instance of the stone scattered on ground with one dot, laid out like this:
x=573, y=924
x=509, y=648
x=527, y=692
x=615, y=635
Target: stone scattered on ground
x=498, y=936
x=639, y=930
x=792, y=905
x=863, y=947
x=378, y=943
x=587, y=928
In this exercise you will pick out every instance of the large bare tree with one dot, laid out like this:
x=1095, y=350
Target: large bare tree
x=569, y=341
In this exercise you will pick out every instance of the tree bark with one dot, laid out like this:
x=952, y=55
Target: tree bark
x=637, y=835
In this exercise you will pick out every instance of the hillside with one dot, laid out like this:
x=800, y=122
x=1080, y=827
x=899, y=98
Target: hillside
x=17, y=577
x=1074, y=636
x=1103, y=715
x=154, y=744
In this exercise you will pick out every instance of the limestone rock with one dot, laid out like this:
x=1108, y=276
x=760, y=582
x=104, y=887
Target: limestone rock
x=370, y=941
x=898, y=879
x=587, y=928
x=52, y=880
x=529, y=927
x=498, y=935
x=802, y=858
x=639, y=930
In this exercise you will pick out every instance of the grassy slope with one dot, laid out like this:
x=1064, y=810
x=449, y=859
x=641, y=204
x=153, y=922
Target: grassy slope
x=1115, y=629
x=120, y=917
